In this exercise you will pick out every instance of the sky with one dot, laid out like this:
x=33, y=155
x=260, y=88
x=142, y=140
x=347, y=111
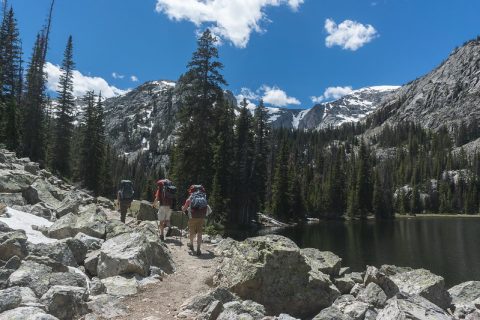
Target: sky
x=291, y=53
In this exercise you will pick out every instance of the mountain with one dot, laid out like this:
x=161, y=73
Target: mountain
x=144, y=118
x=447, y=95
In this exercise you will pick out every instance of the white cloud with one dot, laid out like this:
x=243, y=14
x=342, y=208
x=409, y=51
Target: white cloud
x=332, y=93
x=233, y=20
x=81, y=83
x=350, y=35
x=134, y=78
x=277, y=97
x=117, y=75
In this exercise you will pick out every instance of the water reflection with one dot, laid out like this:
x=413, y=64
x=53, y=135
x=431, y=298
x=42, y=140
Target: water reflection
x=446, y=246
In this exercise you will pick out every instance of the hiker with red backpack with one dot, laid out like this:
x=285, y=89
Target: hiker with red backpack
x=197, y=209
x=165, y=197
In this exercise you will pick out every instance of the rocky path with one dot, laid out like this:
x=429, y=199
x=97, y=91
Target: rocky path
x=163, y=300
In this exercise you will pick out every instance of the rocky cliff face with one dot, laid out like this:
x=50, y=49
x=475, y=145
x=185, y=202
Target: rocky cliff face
x=447, y=95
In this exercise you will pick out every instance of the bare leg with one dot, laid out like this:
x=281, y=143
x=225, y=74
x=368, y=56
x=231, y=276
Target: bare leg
x=199, y=240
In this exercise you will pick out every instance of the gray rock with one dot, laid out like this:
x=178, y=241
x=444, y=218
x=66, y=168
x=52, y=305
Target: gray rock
x=13, y=199
x=32, y=167
x=91, y=222
x=146, y=212
x=13, y=243
x=357, y=289
x=15, y=297
x=26, y=313
x=272, y=271
x=115, y=228
x=108, y=307
x=91, y=243
x=357, y=277
x=78, y=248
x=344, y=271
x=54, y=265
x=133, y=253
x=331, y=313
x=344, y=285
x=423, y=283
x=413, y=308
x=373, y=295
x=464, y=296
x=371, y=314
x=66, y=302
x=91, y=262
x=207, y=305
x=96, y=287
x=106, y=203
x=378, y=277
x=14, y=181
x=120, y=286
x=351, y=307
x=284, y=316
x=391, y=270
x=58, y=251
x=242, y=310
x=13, y=263
x=323, y=261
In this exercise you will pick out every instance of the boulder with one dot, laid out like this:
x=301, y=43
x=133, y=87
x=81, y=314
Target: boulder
x=78, y=249
x=242, y=310
x=332, y=313
x=40, y=277
x=412, y=307
x=115, y=228
x=26, y=313
x=107, y=306
x=14, y=181
x=66, y=302
x=15, y=297
x=96, y=287
x=146, y=212
x=43, y=191
x=382, y=280
x=272, y=271
x=206, y=305
x=423, y=283
x=13, y=263
x=357, y=289
x=351, y=307
x=12, y=199
x=13, y=243
x=120, y=286
x=344, y=271
x=344, y=285
x=464, y=297
x=58, y=251
x=91, y=262
x=133, y=252
x=357, y=277
x=91, y=243
x=32, y=167
x=373, y=295
x=105, y=203
x=91, y=222
x=323, y=261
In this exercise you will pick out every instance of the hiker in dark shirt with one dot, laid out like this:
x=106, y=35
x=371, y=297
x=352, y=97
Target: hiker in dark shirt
x=124, y=198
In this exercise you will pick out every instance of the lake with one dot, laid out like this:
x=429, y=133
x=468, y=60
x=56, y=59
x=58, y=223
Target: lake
x=447, y=246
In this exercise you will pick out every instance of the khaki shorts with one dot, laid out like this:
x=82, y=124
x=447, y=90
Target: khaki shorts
x=164, y=213
x=195, y=225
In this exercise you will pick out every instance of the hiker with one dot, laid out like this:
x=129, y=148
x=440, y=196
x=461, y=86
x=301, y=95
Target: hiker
x=124, y=198
x=197, y=208
x=165, y=198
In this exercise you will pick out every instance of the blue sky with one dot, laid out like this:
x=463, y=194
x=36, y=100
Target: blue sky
x=287, y=51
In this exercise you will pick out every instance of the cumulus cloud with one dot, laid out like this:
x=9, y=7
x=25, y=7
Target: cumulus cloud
x=81, y=83
x=133, y=78
x=273, y=96
x=332, y=93
x=233, y=20
x=350, y=35
x=117, y=75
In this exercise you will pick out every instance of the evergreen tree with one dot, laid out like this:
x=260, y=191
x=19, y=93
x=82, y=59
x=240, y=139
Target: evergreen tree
x=60, y=161
x=280, y=190
x=201, y=90
x=11, y=80
x=415, y=202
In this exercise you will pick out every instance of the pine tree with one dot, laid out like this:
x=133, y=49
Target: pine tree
x=201, y=90
x=280, y=190
x=60, y=161
x=11, y=80
x=34, y=130
x=415, y=202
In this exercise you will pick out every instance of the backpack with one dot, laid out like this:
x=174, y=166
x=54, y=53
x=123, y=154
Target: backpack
x=198, y=204
x=169, y=190
x=126, y=190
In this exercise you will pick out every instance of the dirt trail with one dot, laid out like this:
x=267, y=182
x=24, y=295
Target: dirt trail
x=163, y=300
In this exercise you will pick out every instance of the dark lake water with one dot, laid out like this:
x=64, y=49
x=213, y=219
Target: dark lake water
x=447, y=246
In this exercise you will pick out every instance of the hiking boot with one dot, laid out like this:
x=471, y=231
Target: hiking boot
x=190, y=246
x=162, y=239
x=199, y=252
x=169, y=232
